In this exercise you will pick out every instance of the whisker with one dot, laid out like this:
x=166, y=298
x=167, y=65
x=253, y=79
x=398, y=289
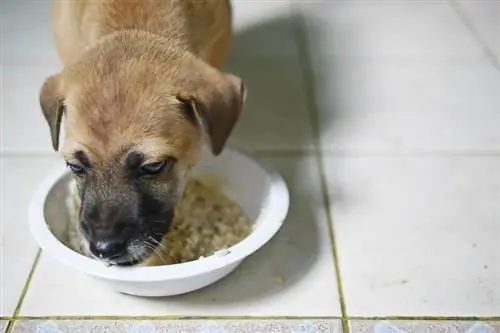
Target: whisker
x=158, y=245
x=164, y=249
x=160, y=255
x=171, y=242
x=156, y=250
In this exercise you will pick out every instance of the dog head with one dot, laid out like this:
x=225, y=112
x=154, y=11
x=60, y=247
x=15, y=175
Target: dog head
x=136, y=114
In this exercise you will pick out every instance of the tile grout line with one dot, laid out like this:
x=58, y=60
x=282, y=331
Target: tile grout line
x=300, y=37
x=473, y=30
x=10, y=325
x=333, y=243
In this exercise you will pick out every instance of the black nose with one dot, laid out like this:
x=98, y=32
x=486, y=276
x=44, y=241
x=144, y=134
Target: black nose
x=108, y=249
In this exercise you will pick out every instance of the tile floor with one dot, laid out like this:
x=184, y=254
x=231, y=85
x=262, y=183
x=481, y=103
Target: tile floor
x=391, y=136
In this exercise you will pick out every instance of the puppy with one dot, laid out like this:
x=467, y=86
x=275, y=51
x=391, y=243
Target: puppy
x=141, y=93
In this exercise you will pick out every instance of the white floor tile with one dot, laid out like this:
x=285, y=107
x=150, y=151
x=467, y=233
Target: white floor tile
x=19, y=179
x=293, y=275
x=26, y=33
x=265, y=56
x=276, y=114
x=179, y=326
x=417, y=236
x=263, y=28
x=407, y=105
x=485, y=18
x=23, y=127
x=417, y=326
x=387, y=29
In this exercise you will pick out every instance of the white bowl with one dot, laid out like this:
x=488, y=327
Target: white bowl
x=258, y=189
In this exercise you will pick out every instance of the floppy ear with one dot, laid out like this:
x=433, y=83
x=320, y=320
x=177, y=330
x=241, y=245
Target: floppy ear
x=52, y=106
x=214, y=101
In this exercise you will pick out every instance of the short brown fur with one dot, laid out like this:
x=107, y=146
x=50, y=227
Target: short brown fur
x=142, y=75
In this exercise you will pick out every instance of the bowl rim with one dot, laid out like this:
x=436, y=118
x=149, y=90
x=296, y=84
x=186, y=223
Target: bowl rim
x=271, y=218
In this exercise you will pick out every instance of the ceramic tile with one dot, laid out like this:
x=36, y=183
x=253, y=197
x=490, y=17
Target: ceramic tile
x=407, y=105
x=417, y=236
x=485, y=19
x=265, y=56
x=26, y=33
x=423, y=327
x=275, y=92
x=387, y=29
x=181, y=326
x=23, y=127
x=263, y=28
x=19, y=179
x=292, y=276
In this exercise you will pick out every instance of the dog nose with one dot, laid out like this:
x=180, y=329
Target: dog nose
x=108, y=249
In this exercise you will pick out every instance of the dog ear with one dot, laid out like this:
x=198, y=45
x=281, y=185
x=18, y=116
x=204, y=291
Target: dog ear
x=52, y=105
x=214, y=101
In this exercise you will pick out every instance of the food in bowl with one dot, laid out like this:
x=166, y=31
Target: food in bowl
x=261, y=193
x=205, y=222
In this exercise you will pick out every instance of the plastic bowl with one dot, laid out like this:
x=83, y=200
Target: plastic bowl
x=258, y=189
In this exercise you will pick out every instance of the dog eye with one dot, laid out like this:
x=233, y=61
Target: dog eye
x=157, y=167
x=76, y=169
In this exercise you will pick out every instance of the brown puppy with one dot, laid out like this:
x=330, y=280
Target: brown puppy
x=140, y=91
